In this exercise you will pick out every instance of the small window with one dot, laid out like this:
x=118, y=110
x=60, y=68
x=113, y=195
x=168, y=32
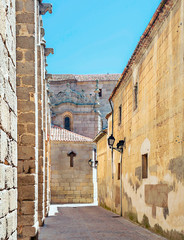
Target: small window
x=120, y=114
x=145, y=166
x=71, y=155
x=118, y=171
x=135, y=96
x=67, y=123
x=100, y=93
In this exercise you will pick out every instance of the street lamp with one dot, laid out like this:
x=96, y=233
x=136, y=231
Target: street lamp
x=120, y=144
x=119, y=148
x=111, y=141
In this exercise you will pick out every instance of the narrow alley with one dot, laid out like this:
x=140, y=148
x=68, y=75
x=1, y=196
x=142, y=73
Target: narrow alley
x=92, y=223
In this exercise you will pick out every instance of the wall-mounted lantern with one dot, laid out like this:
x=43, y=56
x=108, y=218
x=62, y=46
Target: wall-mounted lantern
x=120, y=144
x=93, y=163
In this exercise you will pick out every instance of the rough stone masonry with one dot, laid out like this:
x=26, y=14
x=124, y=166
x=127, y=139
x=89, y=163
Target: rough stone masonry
x=8, y=122
x=24, y=119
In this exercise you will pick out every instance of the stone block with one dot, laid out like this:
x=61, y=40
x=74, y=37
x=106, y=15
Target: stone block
x=4, y=203
x=26, y=118
x=26, y=106
x=19, y=5
x=28, y=80
x=29, y=6
x=13, y=125
x=10, y=96
x=12, y=199
x=24, y=42
x=11, y=221
x=29, y=55
x=27, y=192
x=9, y=177
x=4, y=116
x=12, y=146
x=28, y=139
x=26, y=152
x=26, y=179
x=19, y=55
x=4, y=56
x=21, y=129
x=25, y=93
x=26, y=166
x=29, y=231
x=26, y=220
x=24, y=18
x=15, y=177
x=2, y=176
x=12, y=74
x=28, y=207
x=13, y=236
x=2, y=228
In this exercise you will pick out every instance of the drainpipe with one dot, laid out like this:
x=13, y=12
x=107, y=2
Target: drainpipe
x=110, y=102
x=121, y=194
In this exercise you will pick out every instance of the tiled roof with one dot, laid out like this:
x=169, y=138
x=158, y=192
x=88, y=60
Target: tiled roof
x=81, y=78
x=61, y=134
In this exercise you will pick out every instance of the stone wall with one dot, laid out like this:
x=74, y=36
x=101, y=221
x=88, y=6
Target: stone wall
x=82, y=112
x=152, y=122
x=33, y=115
x=71, y=184
x=8, y=122
x=78, y=115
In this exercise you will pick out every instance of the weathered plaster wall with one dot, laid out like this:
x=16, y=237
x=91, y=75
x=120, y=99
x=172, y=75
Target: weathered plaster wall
x=71, y=184
x=8, y=122
x=154, y=128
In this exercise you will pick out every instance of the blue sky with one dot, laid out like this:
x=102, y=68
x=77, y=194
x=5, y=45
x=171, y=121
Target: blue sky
x=95, y=36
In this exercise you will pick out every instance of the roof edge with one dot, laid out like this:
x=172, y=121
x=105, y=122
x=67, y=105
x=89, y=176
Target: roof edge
x=100, y=135
x=145, y=34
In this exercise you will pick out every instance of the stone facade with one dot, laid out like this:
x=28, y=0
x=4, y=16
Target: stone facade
x=74, y=96
x=33, y=118
x=8, y=122
x=148, y=111
x=71, y=175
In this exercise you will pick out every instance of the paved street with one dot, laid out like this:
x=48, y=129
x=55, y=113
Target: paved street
x=93, y=223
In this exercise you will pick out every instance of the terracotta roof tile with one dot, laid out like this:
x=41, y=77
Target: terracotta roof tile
x=61, y=134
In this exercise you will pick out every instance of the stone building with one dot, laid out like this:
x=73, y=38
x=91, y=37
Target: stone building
x=77, y=99
x=148, y=185
x=71, y=175
x=24, y=119
x=8, y=122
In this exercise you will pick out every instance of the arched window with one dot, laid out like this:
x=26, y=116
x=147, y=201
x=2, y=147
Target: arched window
x=67, y=123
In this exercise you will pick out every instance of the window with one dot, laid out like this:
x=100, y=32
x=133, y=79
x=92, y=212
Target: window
x=145, y=166
x=120, y=114
x=135, y=93
x=118, y=171
x=71, y=155
x=100, y=93
x=67, y=123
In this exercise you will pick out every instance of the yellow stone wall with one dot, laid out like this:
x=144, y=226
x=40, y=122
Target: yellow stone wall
x=154, y=128
x=71, y=184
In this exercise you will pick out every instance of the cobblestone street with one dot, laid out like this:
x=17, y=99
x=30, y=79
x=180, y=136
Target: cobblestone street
x=94, y=223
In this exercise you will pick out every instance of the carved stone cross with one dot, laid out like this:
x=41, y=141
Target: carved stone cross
x=71, y=155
